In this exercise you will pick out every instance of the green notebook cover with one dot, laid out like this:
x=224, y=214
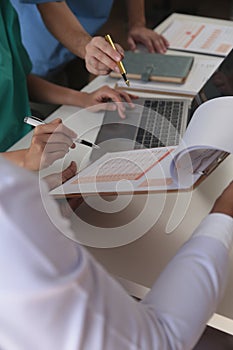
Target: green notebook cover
x=156, y=67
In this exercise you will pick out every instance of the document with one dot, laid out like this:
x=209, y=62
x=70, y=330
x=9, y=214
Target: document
x=206, y=142
x=200, y=37
x=202, y=69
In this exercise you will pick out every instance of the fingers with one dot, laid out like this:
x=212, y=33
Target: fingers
x=120, y=50
x=55, y=127
x=128, y=98
x=101, y=58
x=56, y=179
x=158, y=43
x=57, y=142
x=69, y=206
x=224, y=203
x=132, y=44
x=111, y=106
x=50, y=142
x=54, y=134
x=153, y=41
x=49, y=158
x=117, y=96
x=69, y=172
x=96, y=67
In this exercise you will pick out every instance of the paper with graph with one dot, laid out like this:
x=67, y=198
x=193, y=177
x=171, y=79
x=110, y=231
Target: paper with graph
x=206, y=142
x=200, y=37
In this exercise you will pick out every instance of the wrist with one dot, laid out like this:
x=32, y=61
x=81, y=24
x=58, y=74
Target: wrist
x=73, y=98
x=84, y=99
x=27, y=161
x=78, y=98
x=17, y=157
x=82, y=42
x=87, y=40
x=137, y=25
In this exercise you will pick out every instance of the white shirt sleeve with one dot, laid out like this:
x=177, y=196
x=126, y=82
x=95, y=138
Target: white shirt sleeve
x=54, y=295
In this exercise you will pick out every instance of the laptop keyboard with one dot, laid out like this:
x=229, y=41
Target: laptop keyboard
x=160, y=124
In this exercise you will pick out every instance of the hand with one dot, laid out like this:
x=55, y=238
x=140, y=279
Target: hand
x=67, y=206
x=153, y=41
x=49, y=142
x=105, y=94
x=224, y=203
x=101, y=58
x=57, y=179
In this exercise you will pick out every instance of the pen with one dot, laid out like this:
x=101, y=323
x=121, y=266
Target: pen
x=120, y=64
x=34, y=121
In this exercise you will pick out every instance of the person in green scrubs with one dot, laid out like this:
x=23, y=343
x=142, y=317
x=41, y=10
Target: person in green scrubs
x=15, y=65
x=17, y=85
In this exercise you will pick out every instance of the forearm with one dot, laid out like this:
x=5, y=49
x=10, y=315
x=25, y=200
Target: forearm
x=63, y=24
x=41, y=90
x=188, y=291
x=16, y=157
x=136, y=13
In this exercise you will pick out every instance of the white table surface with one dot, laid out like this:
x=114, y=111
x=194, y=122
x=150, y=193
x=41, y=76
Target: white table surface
x=138, y=263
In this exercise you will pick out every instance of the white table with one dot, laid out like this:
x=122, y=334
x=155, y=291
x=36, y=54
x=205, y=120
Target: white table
x=137, y=264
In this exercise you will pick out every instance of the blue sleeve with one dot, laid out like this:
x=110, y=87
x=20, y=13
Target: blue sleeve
x=38, y=1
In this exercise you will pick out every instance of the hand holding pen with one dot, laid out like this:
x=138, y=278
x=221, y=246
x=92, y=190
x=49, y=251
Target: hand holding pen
x=101, y=57
x=119, y=63
x=34, y=121
x=50, y=142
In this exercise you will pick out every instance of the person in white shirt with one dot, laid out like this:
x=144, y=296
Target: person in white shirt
x=54, y=295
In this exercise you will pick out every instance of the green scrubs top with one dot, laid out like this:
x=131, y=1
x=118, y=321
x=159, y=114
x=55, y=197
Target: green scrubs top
x=15, y=65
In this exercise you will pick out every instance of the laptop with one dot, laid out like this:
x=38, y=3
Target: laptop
x=159, y=122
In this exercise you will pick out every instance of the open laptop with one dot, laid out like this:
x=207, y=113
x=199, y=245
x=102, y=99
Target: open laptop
x=159, y=122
